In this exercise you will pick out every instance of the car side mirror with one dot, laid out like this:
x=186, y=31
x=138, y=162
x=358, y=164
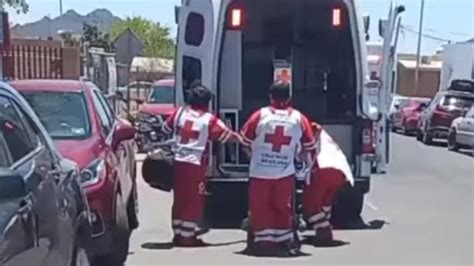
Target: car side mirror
x=12, y=185
x=123, y=131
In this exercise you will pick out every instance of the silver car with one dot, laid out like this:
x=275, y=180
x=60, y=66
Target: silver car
x=461, y=133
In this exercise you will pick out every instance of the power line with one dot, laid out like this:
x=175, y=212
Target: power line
x=405, y=28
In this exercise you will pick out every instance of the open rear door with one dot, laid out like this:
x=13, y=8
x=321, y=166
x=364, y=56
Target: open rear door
x=194, y=56
x=388, y=30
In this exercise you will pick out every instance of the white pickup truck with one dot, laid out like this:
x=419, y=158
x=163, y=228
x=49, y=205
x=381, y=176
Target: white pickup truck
x=236, y=48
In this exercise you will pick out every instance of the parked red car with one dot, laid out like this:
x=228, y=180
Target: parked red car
x=407, y=116
x=152, y=113
x=86, y=130
x=445, y=107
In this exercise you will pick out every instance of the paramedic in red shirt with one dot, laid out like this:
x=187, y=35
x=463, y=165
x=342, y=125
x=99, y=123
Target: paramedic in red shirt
x=329, y=174
x=194, y=127
x=273, y=135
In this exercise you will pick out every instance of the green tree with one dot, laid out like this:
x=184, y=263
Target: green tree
x=156, y=38
x=20, y=6
x=95, y=38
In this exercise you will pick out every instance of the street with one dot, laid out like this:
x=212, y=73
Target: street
x=425, y=204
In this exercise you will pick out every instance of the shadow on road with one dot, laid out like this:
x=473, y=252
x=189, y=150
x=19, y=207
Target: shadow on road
x=310, y=240
x=469, y=153
x=169, y=245
x=362, y=225
x=249, y=253
x=158, y=246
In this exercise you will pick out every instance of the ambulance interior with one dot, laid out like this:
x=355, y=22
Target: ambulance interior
x=314, y=38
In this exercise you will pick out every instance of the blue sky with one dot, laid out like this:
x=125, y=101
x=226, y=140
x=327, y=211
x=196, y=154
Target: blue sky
x=448, y=19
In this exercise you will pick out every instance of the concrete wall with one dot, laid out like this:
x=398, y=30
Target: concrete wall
x=429, y=82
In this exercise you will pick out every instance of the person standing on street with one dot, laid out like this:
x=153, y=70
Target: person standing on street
x=273, y=135
x=193, y=126
x=329, y=174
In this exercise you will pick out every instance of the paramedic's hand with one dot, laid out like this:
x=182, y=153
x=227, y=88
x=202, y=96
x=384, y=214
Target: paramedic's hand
x=247, y=152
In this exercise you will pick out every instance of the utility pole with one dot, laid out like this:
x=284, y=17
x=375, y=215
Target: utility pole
x=60, y=7
x=418, y=52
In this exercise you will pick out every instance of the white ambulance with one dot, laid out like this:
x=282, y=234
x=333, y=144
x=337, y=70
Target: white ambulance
x=238, y=48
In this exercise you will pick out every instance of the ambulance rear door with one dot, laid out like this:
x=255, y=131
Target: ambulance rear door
x=195, y=43
x=388, y=30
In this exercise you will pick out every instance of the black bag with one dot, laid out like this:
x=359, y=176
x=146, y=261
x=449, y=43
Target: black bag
x=158, y=170
x=158, y=166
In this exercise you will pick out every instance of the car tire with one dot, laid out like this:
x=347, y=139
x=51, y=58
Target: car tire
x=427, y=138
x=120, y=236
x=419, y=135
x=132, y=209
x=404, y=130
x=452, y=144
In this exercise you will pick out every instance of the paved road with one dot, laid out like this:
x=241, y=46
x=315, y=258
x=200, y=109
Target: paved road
x=426, y=202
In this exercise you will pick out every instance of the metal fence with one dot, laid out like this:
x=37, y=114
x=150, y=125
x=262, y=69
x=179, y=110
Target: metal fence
x=32, y=62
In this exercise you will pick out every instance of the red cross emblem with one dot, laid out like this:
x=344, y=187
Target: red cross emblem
x=278, y=139
x=187, y=133
x=284, y=76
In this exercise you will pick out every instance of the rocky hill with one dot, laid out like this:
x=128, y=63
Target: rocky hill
x=71, y=20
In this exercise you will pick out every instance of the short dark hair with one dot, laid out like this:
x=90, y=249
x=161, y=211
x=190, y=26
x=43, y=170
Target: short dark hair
x=280, y=91
x=199, y=95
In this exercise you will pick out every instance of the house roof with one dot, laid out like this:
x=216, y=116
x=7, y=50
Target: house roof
x=152, y=65
x=411, y=64
x=129, y=33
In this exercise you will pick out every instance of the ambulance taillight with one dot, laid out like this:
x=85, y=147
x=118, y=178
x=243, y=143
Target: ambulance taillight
x=235, y=17
x=336, y=17
x=368, y=137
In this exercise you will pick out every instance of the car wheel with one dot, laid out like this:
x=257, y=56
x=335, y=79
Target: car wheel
x=404, y=130
x=452, y=144
x=427, y=138
x=419, y=135
x=132, y=209
x=120, y=235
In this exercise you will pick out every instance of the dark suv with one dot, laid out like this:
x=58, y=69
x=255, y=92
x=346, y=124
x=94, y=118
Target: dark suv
x=445, y=107
x=44, y=215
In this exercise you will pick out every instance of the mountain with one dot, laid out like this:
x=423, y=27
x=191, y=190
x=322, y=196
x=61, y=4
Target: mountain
x=71, y=20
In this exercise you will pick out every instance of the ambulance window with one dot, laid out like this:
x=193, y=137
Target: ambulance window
x=194, y=33
x=192, y=72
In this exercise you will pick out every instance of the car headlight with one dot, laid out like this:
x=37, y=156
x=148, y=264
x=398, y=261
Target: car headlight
x=92, y=174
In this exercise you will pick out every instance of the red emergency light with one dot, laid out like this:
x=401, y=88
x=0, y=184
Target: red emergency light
x=336, y=17
x=235, y=16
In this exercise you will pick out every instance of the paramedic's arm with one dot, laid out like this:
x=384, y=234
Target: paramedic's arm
x=249, y=132
x=221, y=133
x=308, y=142
x=168, y=125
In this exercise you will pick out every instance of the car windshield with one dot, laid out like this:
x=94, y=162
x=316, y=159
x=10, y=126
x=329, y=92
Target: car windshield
x=64, y=114
x=162, y=94
x=457, y=102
